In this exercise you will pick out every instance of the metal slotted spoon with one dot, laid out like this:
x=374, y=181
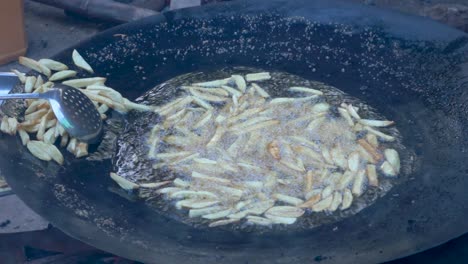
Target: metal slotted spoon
x=73, y=109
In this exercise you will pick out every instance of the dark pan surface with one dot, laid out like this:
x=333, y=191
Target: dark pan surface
x=410, y=69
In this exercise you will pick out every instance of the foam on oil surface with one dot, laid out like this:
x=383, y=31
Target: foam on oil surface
x=135, y=165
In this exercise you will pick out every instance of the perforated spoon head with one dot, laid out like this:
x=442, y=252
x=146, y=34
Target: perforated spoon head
x=76, y=113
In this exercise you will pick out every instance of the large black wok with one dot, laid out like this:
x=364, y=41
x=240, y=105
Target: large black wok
x=411, y=69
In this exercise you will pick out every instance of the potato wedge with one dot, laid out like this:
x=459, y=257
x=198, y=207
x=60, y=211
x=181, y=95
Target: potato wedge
x=80, y=62
x=53, y=65
x=39, y=150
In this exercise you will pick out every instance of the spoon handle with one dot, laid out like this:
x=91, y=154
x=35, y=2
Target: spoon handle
x=23, y=96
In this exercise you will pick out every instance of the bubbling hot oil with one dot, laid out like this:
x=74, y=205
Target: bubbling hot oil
x=138, y=167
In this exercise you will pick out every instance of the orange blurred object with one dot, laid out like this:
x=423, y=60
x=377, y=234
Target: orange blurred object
x=12, y=36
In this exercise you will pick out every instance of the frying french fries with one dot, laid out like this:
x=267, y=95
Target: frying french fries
x=245, y=155
x=39, y=129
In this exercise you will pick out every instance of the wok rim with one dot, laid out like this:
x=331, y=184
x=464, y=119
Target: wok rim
x=160, y=19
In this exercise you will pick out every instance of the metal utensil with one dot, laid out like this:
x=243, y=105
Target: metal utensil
x=73, y=109
x=106, y=10
x=7, y=81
